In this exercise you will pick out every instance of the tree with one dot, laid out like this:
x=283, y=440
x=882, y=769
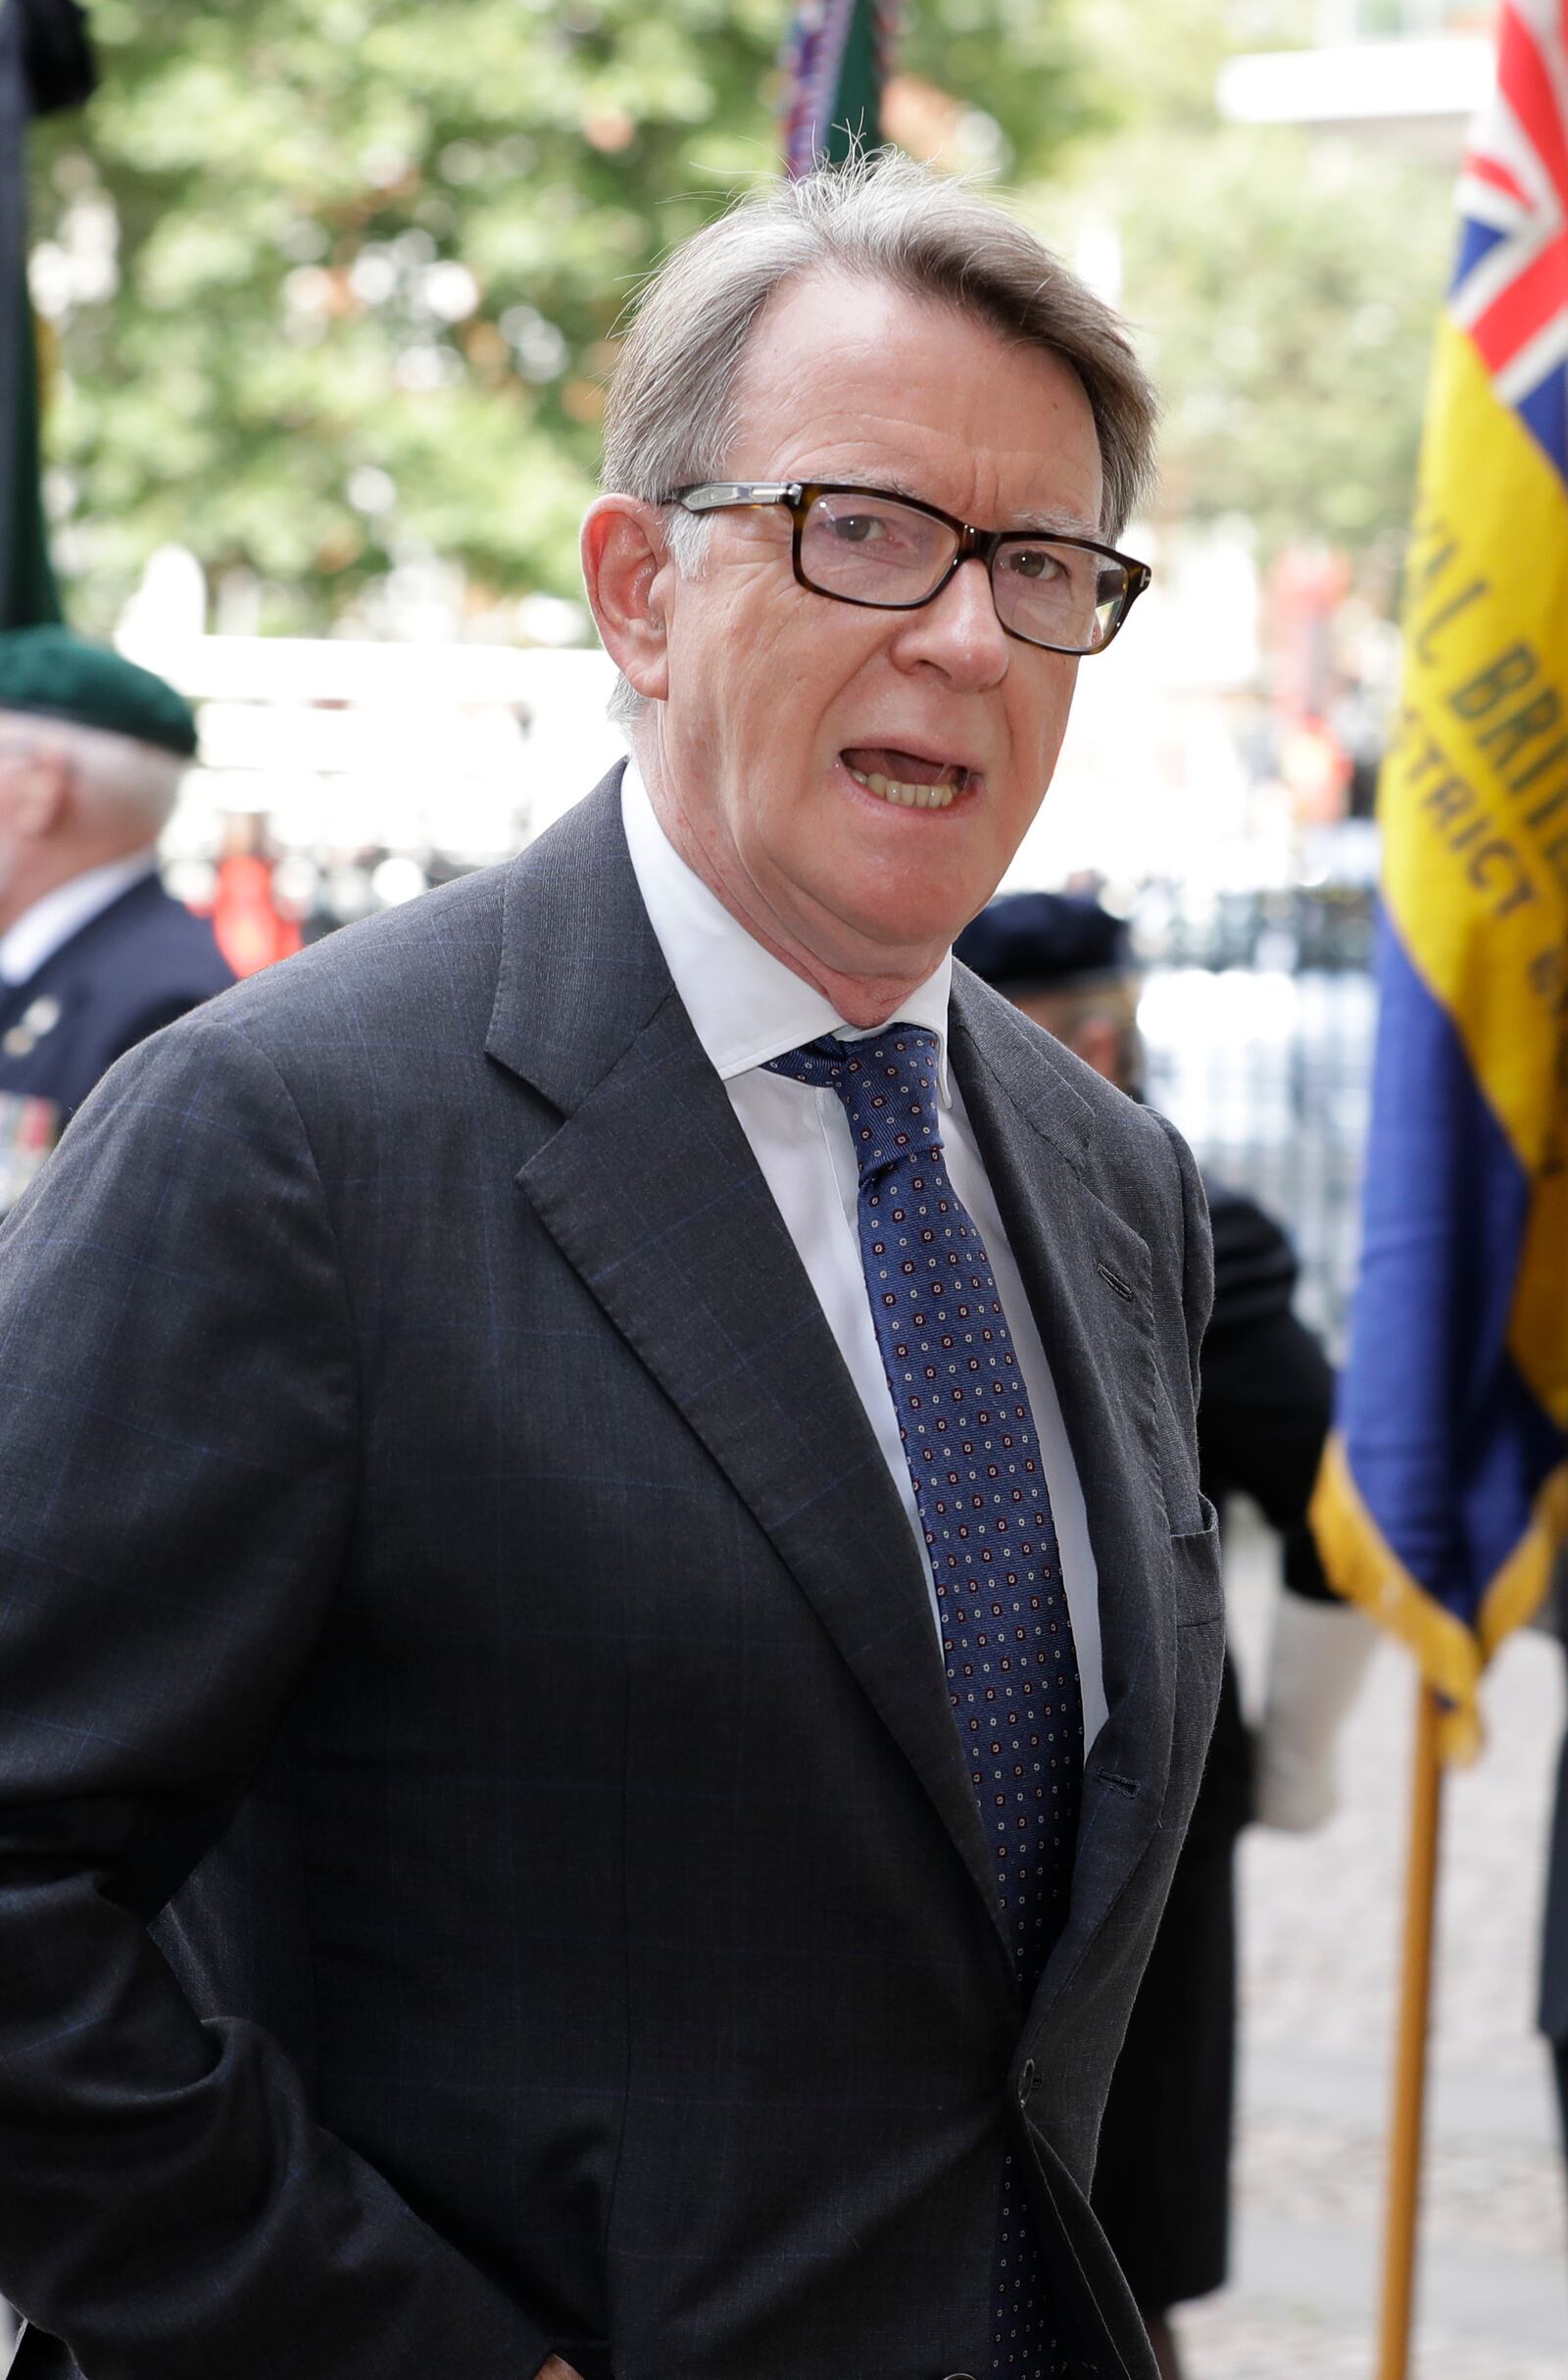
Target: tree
x=336, y=280
x=1285, y=288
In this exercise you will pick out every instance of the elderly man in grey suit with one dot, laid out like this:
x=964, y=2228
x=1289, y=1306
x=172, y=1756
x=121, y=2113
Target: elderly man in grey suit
x=607, y=1622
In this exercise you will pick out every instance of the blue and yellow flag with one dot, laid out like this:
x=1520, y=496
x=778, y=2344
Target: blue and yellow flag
x=1445, y=1491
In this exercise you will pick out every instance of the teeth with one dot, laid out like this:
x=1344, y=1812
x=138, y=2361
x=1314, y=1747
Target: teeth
x=912, y=797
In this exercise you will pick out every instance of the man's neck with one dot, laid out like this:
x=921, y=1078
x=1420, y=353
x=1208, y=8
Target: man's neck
x=863, y=1001
x=38, y=875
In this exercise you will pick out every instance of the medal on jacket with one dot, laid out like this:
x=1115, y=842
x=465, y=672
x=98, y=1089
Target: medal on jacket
x=28, y=1130
x=37, y=1020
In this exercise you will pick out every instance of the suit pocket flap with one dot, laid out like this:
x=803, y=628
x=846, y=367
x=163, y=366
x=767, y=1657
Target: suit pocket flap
x=1199, y=1571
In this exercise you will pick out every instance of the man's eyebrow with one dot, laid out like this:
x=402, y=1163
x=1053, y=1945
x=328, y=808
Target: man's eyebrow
x=1056, y=525
x=1051, y=524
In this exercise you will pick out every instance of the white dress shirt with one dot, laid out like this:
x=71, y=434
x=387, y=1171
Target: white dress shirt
x=50, y=923
x=746, y=1007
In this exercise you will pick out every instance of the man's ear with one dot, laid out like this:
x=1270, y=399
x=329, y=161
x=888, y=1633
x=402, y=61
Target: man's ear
x=628, y=572
x=37, y=781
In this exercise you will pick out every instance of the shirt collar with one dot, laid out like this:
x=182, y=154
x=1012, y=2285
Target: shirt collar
x=50, y=923
x=746, y=1006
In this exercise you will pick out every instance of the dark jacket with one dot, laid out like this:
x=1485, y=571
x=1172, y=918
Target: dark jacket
x=1265, y=1409
x=1554, y=1926
x=137, y=965
x=444, y=1550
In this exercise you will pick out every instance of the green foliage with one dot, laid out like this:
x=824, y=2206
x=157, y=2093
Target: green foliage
x=1284, y=286
x=1289, y=289
x=371, y=260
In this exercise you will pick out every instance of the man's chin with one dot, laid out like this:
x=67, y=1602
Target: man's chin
x=905, y=920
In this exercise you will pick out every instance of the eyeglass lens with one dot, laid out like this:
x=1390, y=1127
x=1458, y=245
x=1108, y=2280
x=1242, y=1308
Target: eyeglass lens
x=871, y=550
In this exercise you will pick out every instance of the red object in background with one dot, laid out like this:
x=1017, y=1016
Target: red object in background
x=1307, y=585
x=251, y=932
x=1316, y=767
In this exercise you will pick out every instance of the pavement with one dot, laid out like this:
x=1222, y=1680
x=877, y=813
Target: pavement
x=1320, y=1920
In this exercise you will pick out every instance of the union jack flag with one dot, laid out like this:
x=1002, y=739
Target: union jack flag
x=1510, y=286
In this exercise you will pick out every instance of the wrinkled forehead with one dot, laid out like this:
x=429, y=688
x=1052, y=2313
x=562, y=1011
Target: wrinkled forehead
x=854, y=379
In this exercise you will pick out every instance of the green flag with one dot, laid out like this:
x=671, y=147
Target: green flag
x=840, y=53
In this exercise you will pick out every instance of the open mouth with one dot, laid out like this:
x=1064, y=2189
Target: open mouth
x=907, y=778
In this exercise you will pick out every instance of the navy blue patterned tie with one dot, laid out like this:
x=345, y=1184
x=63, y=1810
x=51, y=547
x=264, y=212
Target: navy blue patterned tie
x=980, y=1491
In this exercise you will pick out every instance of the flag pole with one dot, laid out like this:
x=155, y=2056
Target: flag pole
x=838, y=57
x=1411, y=2054
x=45, y=64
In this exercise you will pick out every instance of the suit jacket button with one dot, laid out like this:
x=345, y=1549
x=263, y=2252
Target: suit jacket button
x=1026, y=2082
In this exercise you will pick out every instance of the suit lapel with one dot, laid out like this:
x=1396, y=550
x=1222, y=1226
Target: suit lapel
x=649, y=1189
x=1033, y=1127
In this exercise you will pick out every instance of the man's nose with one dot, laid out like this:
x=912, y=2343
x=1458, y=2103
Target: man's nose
x=958, y=631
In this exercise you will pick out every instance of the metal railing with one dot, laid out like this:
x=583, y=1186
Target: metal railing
x=1258, y=1018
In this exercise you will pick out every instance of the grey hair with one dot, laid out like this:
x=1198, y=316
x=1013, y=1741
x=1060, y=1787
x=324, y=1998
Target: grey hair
x=670, y=417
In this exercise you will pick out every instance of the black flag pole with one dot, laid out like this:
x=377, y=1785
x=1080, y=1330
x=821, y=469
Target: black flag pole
x=44, y=63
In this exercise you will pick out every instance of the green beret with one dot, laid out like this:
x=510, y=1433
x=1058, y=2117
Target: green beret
x=54, y=673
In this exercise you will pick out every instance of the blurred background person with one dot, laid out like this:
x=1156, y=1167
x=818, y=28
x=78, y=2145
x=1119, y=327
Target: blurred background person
x=1162, y=2178
x=251, y=929
x=94, y=954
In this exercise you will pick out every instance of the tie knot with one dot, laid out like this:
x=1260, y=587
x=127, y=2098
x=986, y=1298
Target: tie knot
x=888, y=1085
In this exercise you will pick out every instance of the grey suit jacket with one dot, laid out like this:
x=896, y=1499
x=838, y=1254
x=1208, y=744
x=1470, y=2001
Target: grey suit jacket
x=450, y=1589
